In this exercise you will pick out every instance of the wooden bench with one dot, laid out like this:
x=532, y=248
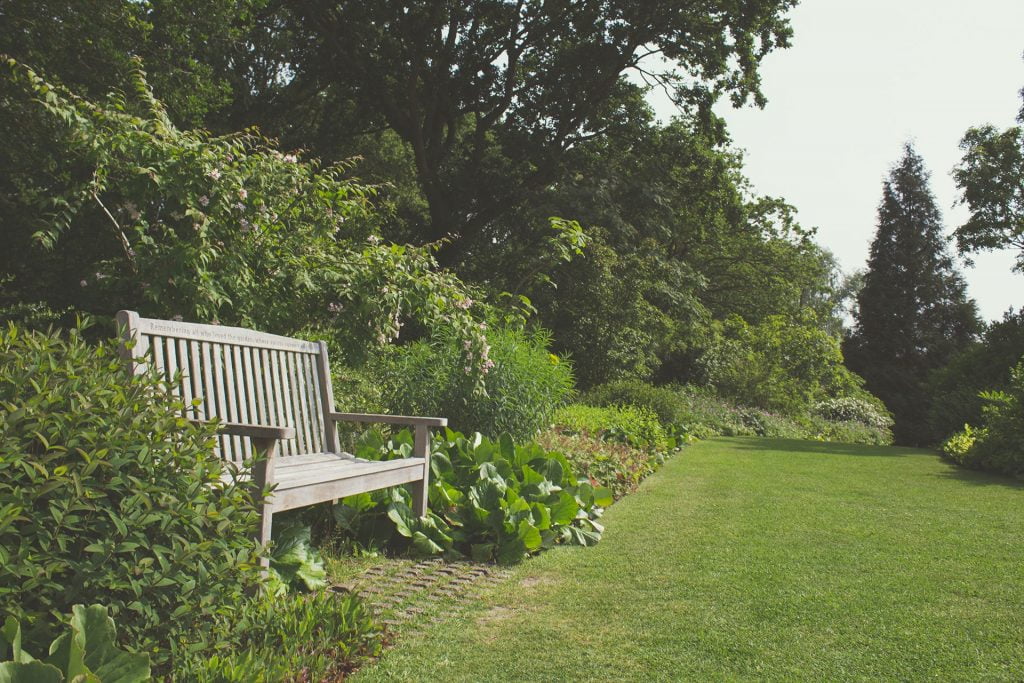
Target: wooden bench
x=272, y=395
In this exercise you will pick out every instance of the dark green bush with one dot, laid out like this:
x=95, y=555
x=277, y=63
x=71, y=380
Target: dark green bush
x=317, y=637
x=999, y=445
x=108, y=495
x=523, y=388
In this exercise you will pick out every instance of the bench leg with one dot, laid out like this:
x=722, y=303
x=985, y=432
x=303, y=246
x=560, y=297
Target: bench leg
x=421, y=449
x=263, y=536
x=262, y=477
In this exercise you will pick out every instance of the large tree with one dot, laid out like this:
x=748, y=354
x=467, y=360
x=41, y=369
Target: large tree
x=913, y=313
x=489, y=95
x=991, y=179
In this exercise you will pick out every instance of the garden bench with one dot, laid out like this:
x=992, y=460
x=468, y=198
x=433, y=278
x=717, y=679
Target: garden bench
x=272, y=395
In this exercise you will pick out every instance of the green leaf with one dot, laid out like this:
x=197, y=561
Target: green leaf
x=29, y=672
x=564, y=510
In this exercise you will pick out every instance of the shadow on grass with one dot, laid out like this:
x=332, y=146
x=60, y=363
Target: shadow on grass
x=783, y=446
x=752, y=443
x=976, y=478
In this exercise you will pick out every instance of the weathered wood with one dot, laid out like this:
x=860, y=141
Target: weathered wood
x=272, y=395
x=389, y=419
x=421, y=449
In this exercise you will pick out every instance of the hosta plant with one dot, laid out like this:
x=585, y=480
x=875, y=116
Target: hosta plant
x=489, y=500
x=87, y=653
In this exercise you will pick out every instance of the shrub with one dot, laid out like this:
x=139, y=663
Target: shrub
x=108, y=494
x=853, y=409
x=318, y=637
x=632, y=425
x=1000, y=445
x=523, y=388
x=489, y=500
x=959, y=447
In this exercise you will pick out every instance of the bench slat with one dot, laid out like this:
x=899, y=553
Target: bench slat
x=319, y=492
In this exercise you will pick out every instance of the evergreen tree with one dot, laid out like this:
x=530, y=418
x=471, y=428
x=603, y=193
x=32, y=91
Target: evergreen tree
x=913, y=312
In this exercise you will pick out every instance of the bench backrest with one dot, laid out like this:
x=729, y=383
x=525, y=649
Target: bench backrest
x=239, y=375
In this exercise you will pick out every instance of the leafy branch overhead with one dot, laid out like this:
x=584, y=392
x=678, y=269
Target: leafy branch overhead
x=229, y=229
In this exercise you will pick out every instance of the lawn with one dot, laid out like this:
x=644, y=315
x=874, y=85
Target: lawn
x=761, y=559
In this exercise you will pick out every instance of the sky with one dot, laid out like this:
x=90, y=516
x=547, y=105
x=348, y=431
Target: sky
x=862, y=78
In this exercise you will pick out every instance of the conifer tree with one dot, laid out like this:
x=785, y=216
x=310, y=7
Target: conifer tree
x=913, y=313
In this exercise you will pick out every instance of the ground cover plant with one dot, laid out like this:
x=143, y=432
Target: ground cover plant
x=757, y=559
x=489, y=501
x=316, y=637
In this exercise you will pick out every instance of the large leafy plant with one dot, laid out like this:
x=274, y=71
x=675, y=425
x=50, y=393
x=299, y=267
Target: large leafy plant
x=489, y=500
x=87, y=653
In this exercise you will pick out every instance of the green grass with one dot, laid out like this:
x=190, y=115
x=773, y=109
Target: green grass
x=761, y=559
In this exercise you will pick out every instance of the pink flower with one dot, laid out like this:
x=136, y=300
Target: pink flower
x=291, y=158
x=204, y=200
x=464, y=304
x=215, y=174
x=243, y=193
x=83, y=283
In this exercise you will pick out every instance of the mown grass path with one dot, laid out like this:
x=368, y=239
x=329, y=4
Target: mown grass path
x=762, y=559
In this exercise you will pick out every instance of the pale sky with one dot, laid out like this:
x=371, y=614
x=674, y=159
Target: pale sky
x=863, y=77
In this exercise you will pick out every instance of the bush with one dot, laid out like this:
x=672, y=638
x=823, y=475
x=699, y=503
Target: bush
x=960, y=447
x=523, y=388
x=318, y=637
x=108, y=495
x=867, y=410
x=628, y=424
x=999, y=446
x=489, y=500
x=699, y=412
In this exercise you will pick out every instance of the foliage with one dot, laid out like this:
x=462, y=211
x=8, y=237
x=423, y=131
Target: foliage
x=221, y=229
x=698, y=412
x=489, y=500
x=627, y=424
x=985, y=365
x=779, y=364
x=107, y=493
x=991, y=179
x=615, y=465
x=294, y=563
x=913, y=312
x=999, y=444
x=488, y=95
x=86, y=654
x=523, y=381
x=317, y=637
x=959, y=447
x=855, y=409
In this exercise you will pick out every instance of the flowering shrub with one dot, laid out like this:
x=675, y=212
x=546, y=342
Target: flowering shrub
x=851, y=409
x=230, y=230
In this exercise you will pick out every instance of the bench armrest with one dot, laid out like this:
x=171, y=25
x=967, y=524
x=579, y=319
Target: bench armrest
x=252, y=431
x=389, y=419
